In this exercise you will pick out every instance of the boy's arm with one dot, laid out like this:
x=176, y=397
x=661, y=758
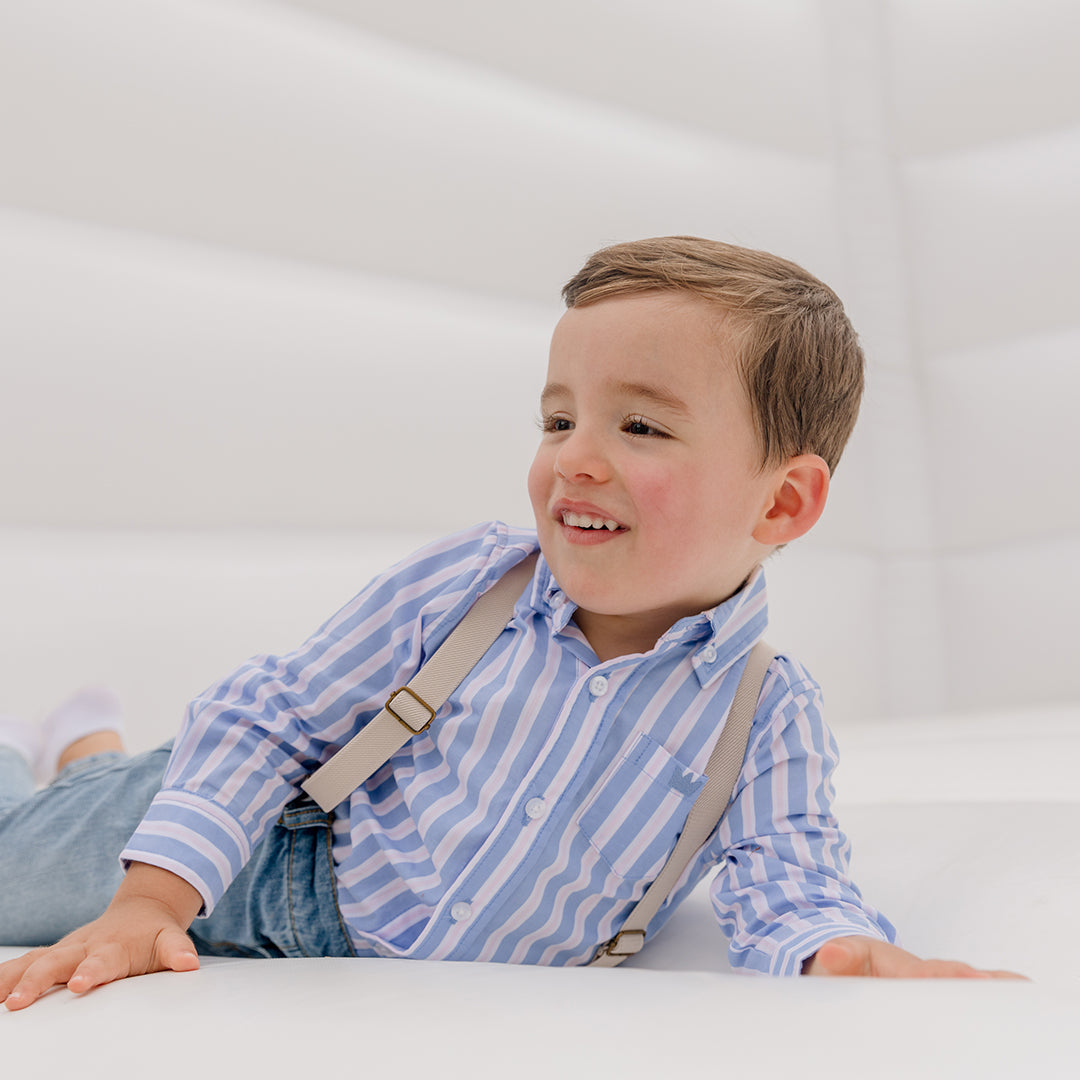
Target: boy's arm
x=783, y=889
x=783, y=893
x=143, y=930
x=248, y=742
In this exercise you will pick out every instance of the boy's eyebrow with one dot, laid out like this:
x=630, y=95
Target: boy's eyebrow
x=553, y=390
x=658, y=395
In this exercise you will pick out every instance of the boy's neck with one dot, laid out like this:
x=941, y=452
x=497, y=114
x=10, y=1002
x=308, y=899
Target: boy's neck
x=612, y=636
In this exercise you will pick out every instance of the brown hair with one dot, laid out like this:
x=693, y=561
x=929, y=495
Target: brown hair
x=800, y=359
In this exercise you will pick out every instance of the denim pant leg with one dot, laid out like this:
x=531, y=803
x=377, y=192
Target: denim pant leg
x=16, y=779
x=59, y=863
x=284, y=902
x=59, y=847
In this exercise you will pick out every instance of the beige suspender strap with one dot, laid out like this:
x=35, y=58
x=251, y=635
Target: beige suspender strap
x=725, y=764
x=410, y=709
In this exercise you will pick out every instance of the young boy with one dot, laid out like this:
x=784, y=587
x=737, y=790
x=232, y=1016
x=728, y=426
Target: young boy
x=698, y=398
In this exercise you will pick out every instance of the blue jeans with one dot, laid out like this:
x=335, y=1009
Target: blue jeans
x=59, y=862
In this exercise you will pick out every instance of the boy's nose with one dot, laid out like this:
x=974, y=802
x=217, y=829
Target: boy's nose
x=581, y=457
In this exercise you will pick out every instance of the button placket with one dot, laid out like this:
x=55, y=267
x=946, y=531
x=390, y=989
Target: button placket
x=446, y=945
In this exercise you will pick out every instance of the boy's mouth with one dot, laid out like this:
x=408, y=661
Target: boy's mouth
x=590, y=521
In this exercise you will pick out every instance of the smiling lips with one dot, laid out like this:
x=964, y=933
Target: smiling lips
x=589, y=521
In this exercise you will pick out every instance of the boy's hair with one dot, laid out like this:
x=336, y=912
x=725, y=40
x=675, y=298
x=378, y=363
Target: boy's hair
x=799, y=358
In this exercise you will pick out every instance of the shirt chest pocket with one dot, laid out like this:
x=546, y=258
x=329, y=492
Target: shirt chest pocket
x=635, y=817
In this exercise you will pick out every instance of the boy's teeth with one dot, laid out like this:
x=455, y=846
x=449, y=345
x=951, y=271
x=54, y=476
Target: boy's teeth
x=584, y=521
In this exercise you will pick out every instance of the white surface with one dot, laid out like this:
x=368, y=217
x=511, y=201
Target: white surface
x=1023, y=756
x=472, y=1022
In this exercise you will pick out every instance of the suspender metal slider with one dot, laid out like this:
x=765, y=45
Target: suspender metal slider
x=404, y=721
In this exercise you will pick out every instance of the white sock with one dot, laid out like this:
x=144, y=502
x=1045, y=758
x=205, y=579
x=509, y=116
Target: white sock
x=92, y=709
x=20, y=736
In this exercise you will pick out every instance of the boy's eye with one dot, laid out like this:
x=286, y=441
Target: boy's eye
x=555, y=423
x=638, y=425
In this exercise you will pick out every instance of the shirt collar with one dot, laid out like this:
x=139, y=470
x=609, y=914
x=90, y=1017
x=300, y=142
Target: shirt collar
x=717, y=636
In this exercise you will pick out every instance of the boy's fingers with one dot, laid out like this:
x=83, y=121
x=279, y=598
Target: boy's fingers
x=955, y=969
x=11, y=974
x=867, y=956
x=104, y=965
x=172, y=951
x=175, y=952
x=44, y=969
x=11, y=971
x=99, y=953
x=841, y=957
x=949, y=969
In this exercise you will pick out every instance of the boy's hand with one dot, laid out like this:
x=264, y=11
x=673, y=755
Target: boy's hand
x=858, y=955
x=142, y=930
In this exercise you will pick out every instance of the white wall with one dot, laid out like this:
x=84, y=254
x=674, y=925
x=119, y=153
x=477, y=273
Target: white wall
x=276, y=276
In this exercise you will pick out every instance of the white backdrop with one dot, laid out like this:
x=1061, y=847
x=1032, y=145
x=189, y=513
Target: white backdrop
x=241, y=239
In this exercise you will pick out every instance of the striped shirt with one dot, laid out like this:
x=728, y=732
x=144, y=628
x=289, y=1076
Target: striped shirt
x=530, y=817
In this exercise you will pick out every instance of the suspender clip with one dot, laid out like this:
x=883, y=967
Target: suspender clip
x=617, y=947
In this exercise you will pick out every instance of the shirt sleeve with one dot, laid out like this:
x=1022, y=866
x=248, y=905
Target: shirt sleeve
x=248, y=742
x=783, y=889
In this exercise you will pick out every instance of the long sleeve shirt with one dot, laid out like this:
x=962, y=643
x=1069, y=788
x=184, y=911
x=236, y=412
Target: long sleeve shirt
x=528, y=819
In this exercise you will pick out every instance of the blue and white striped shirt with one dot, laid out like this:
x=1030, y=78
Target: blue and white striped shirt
x=525, y=823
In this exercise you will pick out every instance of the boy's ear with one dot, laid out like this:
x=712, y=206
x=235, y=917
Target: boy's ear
x=798, y=498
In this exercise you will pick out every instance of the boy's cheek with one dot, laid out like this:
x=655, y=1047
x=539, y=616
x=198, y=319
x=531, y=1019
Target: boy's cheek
x=663, y=498
x=538, y=482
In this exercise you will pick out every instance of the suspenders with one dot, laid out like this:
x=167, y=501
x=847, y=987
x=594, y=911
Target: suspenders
x=723, y=769
x=410, y=709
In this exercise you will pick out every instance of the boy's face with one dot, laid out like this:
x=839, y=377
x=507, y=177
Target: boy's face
x=646, y=428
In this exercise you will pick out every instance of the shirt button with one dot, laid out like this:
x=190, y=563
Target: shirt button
x=598, y=686
x=535, y=808
x=708, y=654
x=461, y=911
